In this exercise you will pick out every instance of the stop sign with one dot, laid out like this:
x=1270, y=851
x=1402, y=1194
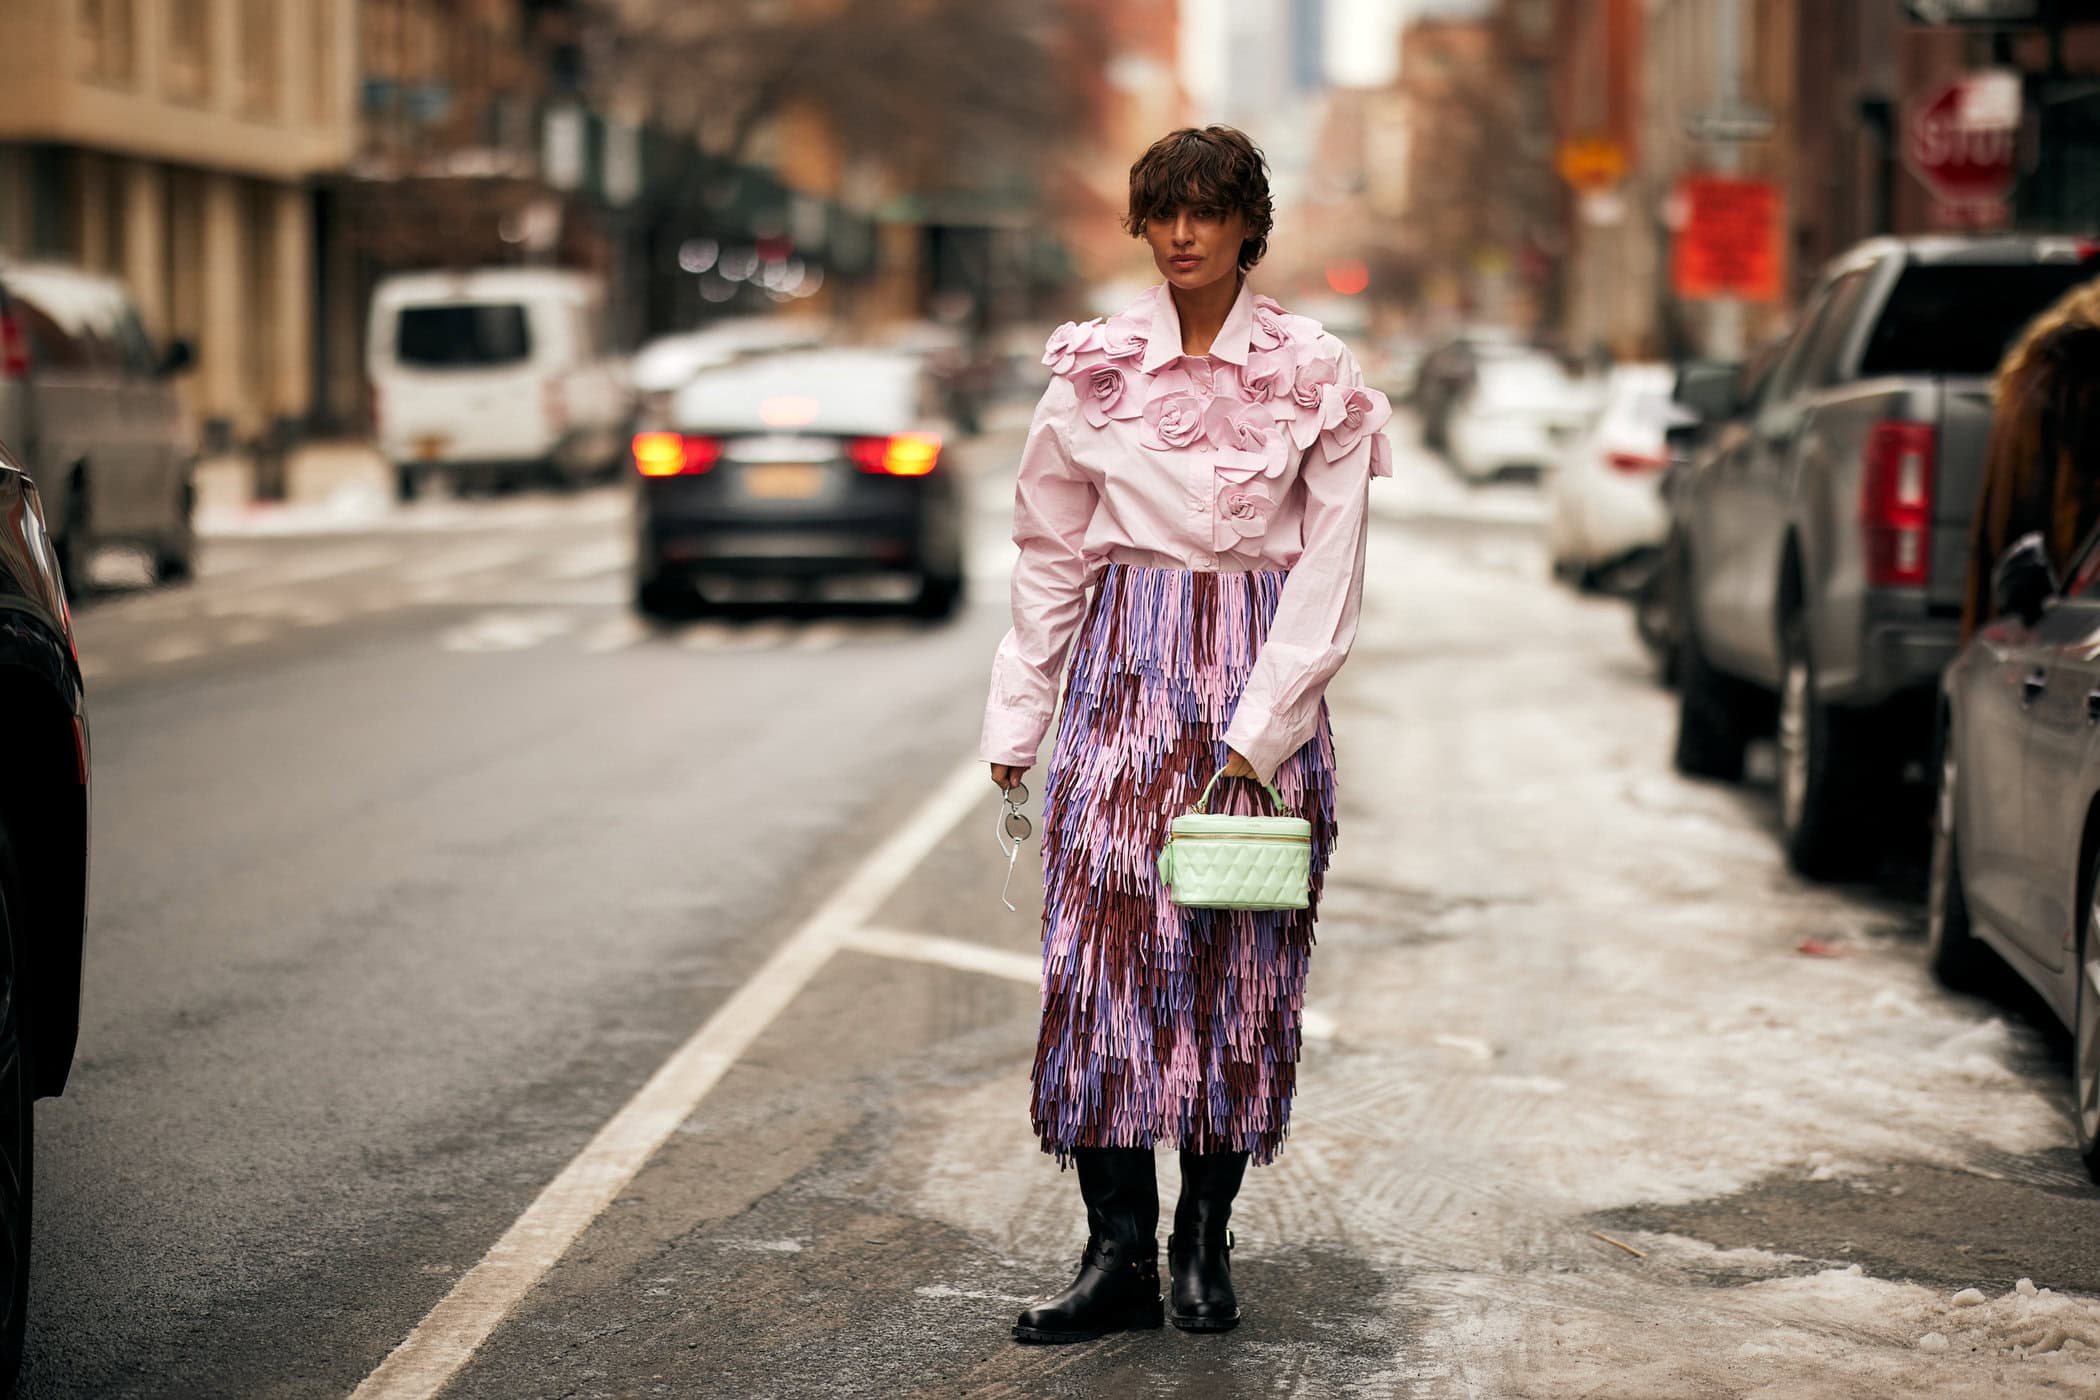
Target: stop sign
x=1963, y=141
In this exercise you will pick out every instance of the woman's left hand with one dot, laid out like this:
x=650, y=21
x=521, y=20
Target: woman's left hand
x=1236, y=766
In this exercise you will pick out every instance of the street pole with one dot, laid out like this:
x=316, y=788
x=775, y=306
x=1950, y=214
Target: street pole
x=1725, y=325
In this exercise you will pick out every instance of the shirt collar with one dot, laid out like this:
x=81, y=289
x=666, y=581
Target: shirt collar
x=1163, y=340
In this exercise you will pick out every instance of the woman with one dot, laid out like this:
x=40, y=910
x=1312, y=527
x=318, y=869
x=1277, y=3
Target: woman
x=2043, y=469
x=1200, y=461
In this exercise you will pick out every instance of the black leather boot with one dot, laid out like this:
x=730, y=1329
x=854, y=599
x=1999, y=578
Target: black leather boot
x=1199, y=1252
x=1118, y=1285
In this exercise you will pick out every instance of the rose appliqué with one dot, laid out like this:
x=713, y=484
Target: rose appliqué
x=1106, y=391
x=1246, y=437
x=1308, y=398
x=1269, y=375
x=1176, y=419
x=1269, y=331
x=1068, y=342
x=1346, y=415
x=1123, y=340
x=1242, y=513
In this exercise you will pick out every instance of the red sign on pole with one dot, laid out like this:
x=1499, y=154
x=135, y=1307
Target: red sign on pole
x=1731, y=240
x=1962, y=142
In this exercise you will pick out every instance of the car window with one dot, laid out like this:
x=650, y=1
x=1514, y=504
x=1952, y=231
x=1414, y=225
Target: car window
x=1791, y=371
x=134, y=346
x=1820, y=365
x=821, y=393
x=462, y=335
x=1959, y=318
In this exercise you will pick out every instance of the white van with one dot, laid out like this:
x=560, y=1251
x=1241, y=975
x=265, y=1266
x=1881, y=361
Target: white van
x=494, y=377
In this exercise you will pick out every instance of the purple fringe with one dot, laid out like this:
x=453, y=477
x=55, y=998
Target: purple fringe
x=1162, y=1024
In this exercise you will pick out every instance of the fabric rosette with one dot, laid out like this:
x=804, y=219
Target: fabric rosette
x=1242, y=513
x=1346, y=415
x=1309, y=388
x=1247, y=438
x=1268, y=377
x=1175, y=419
x=1123, y=340
x=1068, y=342
x=1108, y=391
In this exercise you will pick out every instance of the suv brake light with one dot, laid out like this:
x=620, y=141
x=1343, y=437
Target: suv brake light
x=14, y=348
x=1633, y=463
x=906, y=454
x=1896, y=503
x=673, y=454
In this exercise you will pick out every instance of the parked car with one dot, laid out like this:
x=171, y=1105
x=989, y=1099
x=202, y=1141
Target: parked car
x=1514, y=417
x=802, y=466
x=43, y=868
x=494, y=378
x=88, y=403
x=1446, y=372
x=2016, y=830
x=1607, y=513
x=1823, y=547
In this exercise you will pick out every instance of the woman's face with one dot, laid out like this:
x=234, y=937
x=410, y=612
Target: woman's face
x=1195, y=245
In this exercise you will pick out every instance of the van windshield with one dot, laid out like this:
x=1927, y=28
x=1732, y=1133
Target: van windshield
x=462, y=335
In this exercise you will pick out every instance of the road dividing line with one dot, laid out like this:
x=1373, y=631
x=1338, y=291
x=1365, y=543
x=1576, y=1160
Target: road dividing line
x=463, y=1319
x=946, y=952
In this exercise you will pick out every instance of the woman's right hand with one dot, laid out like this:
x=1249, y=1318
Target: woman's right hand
x=1007, y=776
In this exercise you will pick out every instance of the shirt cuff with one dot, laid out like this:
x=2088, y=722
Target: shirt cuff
x=1262, y=740
x=1012, y=737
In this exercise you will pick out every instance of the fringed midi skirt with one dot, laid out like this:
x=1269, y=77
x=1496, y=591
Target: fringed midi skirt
x=1164, y=1025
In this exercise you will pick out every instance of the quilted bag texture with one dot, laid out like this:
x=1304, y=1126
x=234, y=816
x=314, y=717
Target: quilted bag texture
x=1229, y=862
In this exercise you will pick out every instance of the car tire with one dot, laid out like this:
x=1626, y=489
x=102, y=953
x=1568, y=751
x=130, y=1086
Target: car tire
x=408, y=483
x=1828, y=769
x=74, y=543
x=17, y=1137
x=1656, y=622
x=1958, y=958
x=939, y=596
x=664, y=601
x=1713, y=714
x=2085, y=1053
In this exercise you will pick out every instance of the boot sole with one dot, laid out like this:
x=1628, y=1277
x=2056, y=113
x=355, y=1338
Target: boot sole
x=1204, y=1324
x=1135, y=1322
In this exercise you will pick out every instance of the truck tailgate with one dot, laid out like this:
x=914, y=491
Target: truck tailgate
x=1964, y=422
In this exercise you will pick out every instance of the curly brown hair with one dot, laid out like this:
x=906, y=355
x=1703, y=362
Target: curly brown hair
x=1214, y=167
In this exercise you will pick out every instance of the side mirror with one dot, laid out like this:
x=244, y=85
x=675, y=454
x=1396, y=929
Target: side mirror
x=177, y=358
x=2022, y=581
x=1709, y=390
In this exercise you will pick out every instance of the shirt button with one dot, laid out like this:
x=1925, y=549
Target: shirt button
x=1206, y=561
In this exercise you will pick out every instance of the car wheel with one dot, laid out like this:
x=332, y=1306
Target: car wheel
x=74, y=544
x=938, y=597
x=17, y=1138
x=1826, y=769
x=408, y=483
x=653, y=597
x=1655, y=621
x=1713, y=715
x=2086, y=1032
x=1958, y=958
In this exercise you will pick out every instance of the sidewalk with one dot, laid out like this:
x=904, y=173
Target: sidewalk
x=336, y=482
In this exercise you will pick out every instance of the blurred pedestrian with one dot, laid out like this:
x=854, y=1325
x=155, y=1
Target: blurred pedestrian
x=1200, y=462
x=2042, y=473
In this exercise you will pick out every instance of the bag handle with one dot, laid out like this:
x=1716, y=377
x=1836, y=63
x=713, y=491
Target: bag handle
x=1203, y=800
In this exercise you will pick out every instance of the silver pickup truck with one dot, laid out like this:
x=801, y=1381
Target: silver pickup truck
x=1821, y=538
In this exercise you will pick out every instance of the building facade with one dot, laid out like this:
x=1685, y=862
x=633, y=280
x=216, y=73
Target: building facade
x=175, y=143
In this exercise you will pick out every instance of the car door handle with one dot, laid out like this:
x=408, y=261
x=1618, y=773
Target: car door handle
x=2032, y=685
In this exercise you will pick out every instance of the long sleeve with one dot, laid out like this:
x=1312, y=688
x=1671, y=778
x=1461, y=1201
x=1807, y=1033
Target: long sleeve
x=1053, y=501
x=1315, y=622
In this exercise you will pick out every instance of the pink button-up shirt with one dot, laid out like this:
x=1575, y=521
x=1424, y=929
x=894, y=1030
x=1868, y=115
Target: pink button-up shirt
x=1255, y=456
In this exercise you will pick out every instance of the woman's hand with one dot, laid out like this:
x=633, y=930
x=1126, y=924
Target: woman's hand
x=1007, y=776
x=1236, y=766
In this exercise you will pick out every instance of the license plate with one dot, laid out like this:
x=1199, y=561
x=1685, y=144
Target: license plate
x=783, y=481
x=431, y=447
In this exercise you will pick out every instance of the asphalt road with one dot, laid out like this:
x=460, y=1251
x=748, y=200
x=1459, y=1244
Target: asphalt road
x=416, y=856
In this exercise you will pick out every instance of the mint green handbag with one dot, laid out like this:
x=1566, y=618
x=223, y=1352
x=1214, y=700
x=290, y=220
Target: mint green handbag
x=1213, y=861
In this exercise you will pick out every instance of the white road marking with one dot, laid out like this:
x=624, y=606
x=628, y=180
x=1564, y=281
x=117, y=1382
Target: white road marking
x=463, y=1319
x=616, y=634
x=506, y=631
x=460, y=562
x=590, y=560
x=946, y=952
x=819, y=636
